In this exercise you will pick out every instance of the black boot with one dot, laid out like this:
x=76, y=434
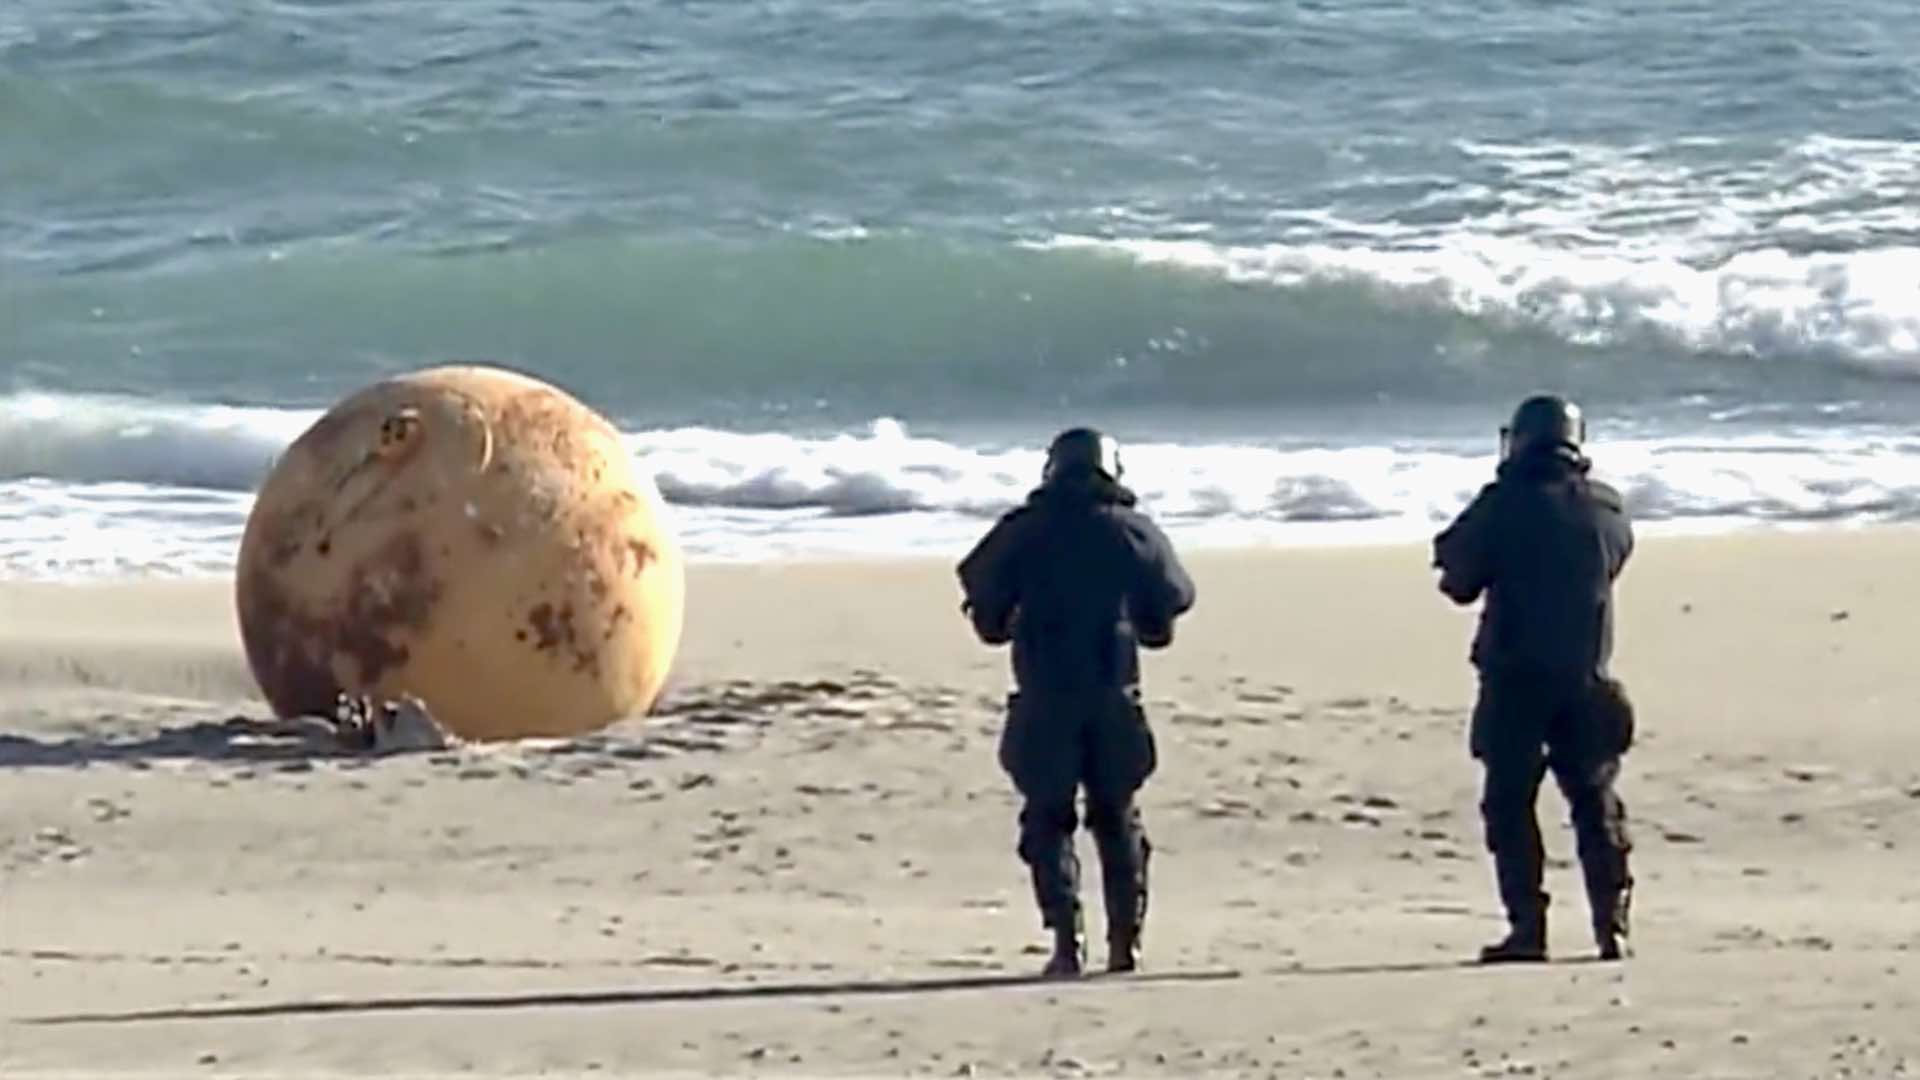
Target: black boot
x=1069, y=958
x=1611, y=922
x=1525, y=943
x=1126, y=897
x=1517, y=868
x=1124, y=854
x=1123, y=951
x=1046, y=846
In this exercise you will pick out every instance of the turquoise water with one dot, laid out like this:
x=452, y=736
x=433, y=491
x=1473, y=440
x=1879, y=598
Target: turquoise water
x=1302, y=255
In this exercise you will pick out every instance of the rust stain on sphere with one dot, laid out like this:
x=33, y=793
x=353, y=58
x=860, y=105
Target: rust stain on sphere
x=473, y=537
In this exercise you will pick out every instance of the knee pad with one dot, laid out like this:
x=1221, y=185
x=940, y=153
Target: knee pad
x=1038, y=847
x=1618, y=833
x=1108, y=822
x=1045, y=817
x=1505, y=827
x=1600, y=820
x=1044, y=831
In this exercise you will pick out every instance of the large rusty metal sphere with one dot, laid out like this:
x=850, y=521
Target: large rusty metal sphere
x=470, y=536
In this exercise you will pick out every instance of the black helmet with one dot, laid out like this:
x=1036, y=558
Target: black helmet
x=1082, y=450
x=1543, y=422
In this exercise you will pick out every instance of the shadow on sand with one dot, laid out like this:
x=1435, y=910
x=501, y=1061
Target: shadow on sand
x=236, y=739
x=777, y=991
x=691, y=719
x=662, y=996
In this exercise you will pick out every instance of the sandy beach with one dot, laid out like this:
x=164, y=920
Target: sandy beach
x=804, y=863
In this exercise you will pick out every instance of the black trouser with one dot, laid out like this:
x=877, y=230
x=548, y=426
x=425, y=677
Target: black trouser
x=1054, y=743
x=1526, y=723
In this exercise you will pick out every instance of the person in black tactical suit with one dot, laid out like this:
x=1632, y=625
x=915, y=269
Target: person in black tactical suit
x=1076, y=578
x=1544, y=543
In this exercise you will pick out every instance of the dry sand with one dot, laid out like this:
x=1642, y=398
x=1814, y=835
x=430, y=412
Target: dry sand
x=805, y=865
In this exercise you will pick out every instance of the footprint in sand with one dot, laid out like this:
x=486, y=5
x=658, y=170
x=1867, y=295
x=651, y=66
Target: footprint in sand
x=56, y=843
x=634, y=752
x=687, y=744
x=830, y=711
x=819, y=790
x=1271, y=695
x=1227, y=806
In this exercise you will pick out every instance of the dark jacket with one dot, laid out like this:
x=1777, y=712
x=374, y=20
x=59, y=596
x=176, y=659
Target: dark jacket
x=1544, y=543
x=1077, y=579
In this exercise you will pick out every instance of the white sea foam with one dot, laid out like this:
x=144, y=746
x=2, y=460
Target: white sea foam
x=116, y=487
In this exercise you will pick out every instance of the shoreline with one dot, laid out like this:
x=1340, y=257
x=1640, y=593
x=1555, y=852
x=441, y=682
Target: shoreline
x=1307, y=614
x=881, y=502
x=1205, y=539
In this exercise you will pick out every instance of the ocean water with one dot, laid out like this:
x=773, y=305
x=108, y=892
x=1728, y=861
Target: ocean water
x=839, y=270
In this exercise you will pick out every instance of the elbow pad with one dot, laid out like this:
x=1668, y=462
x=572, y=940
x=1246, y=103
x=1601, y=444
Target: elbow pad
x=1457, y=591
x=990, y=632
